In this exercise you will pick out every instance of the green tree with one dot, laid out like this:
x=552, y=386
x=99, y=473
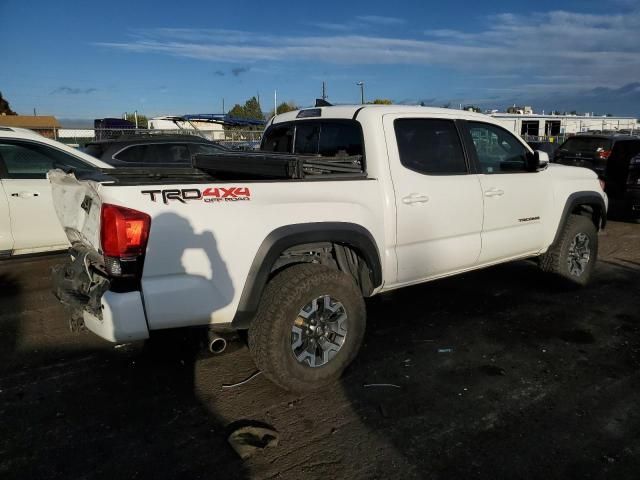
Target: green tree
x=143, y=121
x=5, y=109
x=285, y=107
x=381, y=101
x=473, y=108
x=237, y=111
x=250, y=110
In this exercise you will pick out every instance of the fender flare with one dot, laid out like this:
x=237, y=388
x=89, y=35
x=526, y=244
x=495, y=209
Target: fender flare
x=581, y=198
x=348, y=234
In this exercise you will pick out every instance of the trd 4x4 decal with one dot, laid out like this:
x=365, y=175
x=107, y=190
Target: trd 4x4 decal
x=208, y=195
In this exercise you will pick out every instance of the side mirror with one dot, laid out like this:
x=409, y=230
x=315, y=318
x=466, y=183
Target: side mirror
x=536, y=161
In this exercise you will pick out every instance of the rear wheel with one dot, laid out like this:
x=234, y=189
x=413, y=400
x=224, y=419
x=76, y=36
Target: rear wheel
x=309, y=327
x=574, y=255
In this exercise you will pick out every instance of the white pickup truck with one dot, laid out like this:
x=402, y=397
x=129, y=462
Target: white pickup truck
x=341, y=203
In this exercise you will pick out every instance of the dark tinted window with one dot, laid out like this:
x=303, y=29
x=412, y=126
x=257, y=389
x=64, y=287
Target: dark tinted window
x=430, y=146
x=155, y=153
x=31, y=161
x=278, y=138
x=340, y=139
x=585, y=144
x=307, y=138
x=498, y=150
x=321, y=137
x=133, y=154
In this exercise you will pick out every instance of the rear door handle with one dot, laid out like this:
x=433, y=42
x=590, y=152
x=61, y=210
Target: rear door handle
x=415, y=198
x=494, y=192
x=25, y=194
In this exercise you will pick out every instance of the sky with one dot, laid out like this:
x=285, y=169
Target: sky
x=99, y=59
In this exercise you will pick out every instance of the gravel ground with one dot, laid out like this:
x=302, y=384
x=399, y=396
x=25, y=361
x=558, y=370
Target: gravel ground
x=502, y=373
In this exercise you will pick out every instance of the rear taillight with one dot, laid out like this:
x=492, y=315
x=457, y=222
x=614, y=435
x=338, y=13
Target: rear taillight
x=604, y=154
x=123, y=231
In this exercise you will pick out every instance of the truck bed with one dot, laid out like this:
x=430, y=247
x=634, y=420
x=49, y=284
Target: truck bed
x=234, y=166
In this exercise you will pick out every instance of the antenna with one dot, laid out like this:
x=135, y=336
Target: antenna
x=324, y=91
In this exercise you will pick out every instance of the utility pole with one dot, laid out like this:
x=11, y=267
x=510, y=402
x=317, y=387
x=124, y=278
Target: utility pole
x=223, y=105
x=275, y=102
x=361, y=85
x=135, y=116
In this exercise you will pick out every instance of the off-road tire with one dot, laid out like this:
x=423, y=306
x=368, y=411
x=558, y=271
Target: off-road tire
x=555, y=260
x=283, y=298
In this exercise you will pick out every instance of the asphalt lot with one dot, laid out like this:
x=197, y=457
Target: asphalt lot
x=502, y=373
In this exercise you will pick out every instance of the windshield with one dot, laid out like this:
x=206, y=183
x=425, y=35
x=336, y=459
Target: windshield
x=586, y=144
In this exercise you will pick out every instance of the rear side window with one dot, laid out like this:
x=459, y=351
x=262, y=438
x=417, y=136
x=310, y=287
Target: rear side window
x=586, y=144
x=133, y=154
x=430, y=146
x=155, y=153
x=318, y=137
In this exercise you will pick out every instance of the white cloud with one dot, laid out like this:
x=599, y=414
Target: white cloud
x=380, y=20
x=564, y=49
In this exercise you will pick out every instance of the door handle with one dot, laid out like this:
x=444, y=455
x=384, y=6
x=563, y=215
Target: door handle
x=494, y=192
x=415, y=198
x=25, y=194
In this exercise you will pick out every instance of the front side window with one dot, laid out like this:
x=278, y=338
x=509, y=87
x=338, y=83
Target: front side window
x=498, y=150
x=33, y=161
x=430, y=146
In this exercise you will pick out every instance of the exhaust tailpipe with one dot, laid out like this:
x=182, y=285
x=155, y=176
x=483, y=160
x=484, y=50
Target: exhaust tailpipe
x=216, y=343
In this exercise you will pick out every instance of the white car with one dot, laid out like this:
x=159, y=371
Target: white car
x=28, y=222
x=341, y=203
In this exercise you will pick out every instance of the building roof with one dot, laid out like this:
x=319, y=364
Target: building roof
x=29, y=121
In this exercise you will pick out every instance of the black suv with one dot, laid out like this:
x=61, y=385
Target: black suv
x=610, y=156
x=151, y=150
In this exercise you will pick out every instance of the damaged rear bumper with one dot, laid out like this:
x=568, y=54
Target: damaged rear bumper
x=84, y=289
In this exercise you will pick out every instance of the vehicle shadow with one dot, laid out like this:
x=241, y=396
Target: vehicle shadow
x=480, y=376
x=84, y=408
x=10, y=294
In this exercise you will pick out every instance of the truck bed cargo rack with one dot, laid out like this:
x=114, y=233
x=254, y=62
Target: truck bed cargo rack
x=268, y=165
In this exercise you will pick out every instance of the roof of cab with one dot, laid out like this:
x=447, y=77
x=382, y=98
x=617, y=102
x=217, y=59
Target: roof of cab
x=352, y=111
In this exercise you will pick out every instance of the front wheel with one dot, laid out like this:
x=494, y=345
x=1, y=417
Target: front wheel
x=574, y=256
x=309, y=327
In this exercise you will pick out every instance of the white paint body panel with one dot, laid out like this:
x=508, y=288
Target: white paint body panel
x=28, y=221
x=6, y=237
x=199, y=254
x=122, y=320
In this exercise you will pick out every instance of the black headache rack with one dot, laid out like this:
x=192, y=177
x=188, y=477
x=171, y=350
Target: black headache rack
x=268, y=165
x=143, y=176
